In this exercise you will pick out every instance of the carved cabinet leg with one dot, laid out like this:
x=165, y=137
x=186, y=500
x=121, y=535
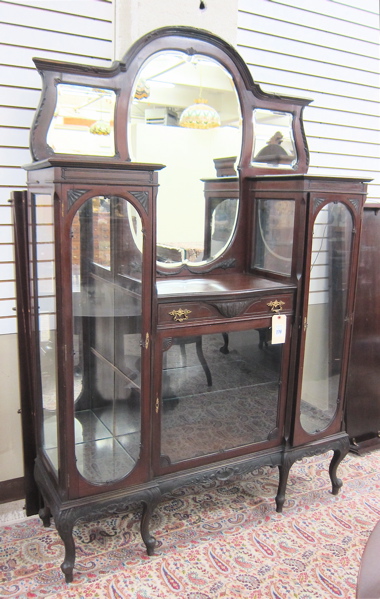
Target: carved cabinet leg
x=149, y=505
x=284, y=469
x=45, y=515
x=64, y=524
x=338, y=455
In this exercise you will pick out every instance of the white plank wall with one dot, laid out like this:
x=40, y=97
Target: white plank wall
x=327, y=51
x=73, y=31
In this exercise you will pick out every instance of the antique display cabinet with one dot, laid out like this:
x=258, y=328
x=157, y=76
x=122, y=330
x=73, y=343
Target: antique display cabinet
x=185, y=289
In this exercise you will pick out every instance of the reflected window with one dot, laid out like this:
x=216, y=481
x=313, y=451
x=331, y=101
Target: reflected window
x=273, y=139
x=83, y=121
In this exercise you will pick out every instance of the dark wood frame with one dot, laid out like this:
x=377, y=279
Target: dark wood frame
x=363, y=382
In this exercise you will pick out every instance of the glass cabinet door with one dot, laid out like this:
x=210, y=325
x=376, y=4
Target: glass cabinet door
x=325, y=318
x=45, y=284
x=107, y=256
x=219, y=392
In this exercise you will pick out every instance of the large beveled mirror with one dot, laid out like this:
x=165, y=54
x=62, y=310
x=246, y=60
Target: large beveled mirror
x=185, y=114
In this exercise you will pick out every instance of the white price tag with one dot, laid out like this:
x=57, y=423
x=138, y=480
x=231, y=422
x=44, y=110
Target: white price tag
x=278, y=328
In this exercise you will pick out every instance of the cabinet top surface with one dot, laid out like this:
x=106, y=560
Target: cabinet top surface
x=232, y=284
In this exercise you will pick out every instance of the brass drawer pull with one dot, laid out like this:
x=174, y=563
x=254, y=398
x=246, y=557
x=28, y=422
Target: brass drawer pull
x=180, y=315
x=276, y=305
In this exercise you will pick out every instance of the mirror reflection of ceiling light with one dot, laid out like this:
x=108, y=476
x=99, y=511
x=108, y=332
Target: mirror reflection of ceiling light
x=142, y=90
x=200, y=116
x=100, y=128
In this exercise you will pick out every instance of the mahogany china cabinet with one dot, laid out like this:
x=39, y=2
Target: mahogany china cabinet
x=183, y=316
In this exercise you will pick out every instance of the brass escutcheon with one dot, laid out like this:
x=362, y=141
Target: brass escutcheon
x=276, y=305
x=180, y=315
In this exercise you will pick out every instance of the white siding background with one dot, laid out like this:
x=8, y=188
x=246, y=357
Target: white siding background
x=70, y=30
x=327, y=51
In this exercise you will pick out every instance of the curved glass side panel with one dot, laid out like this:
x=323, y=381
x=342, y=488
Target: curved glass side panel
x=83, y=121
x=185, y=114
x=325, y=325
x=106, y=287
x=273, y=139
x=274, y=235
x=221, y=215
x=219, y=391
x=47, y=325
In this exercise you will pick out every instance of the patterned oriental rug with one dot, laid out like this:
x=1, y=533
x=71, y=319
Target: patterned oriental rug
x=215, y=541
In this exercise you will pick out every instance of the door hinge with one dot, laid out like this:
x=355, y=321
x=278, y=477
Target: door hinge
x=157, y=404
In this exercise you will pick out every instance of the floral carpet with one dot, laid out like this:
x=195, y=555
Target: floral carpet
x=215, y=541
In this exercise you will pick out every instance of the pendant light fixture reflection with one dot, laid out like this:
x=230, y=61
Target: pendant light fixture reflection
x=100, y=128
x=142, y=90
x=200, y=115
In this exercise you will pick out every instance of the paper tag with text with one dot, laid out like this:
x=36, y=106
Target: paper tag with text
x=278, y=328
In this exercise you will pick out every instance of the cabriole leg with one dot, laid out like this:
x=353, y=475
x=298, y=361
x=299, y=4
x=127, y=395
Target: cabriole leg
x=64, y=524
x=45, y=515
x=149, y=505
x=338, y=456
x=284, y=469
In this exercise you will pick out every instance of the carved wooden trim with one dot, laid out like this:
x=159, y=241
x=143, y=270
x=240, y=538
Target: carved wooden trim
x=230, y=263
x=142, y=197
x=231, y=309
x=317, y=203
x=73, y=195
x=167, y=343
x=355, y=204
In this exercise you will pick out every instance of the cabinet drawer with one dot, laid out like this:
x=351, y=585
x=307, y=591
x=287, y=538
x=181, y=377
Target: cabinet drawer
x=188, y=312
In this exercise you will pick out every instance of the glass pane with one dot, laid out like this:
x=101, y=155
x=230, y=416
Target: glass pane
x=171, y=123
x=47, y=321
x=273, y=139
x=83, y=121
x=330, y=266
x=274, y=235
x=218, y=392
x=221, y=215
x=107, y=334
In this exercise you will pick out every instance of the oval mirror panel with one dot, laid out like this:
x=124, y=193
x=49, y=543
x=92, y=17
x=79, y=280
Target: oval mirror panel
x=185, y=114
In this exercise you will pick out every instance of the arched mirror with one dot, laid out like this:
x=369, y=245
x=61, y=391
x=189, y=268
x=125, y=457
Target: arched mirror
x=107, y=252
x=326, y=316
x=185, y=113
